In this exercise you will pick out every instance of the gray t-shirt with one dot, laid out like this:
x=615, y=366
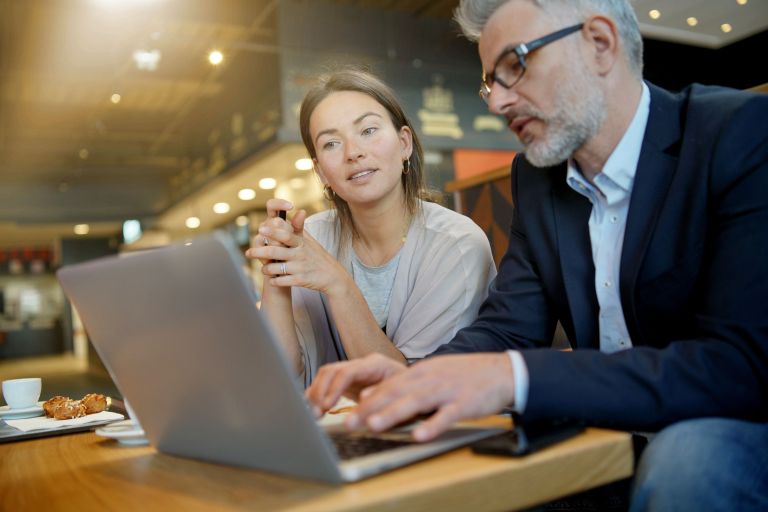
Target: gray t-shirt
x=376, y=285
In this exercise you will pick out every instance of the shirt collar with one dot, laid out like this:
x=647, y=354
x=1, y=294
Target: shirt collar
x=618, y=174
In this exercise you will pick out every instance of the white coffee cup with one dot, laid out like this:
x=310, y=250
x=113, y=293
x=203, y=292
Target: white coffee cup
x=22, y=393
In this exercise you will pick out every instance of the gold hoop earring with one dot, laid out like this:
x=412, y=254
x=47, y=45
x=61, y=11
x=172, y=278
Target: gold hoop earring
x=328, y=193
x=406, y=166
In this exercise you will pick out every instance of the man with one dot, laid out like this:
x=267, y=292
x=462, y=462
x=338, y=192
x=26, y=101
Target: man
x=641, y=224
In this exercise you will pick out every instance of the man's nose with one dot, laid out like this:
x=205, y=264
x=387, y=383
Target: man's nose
x=501, y=99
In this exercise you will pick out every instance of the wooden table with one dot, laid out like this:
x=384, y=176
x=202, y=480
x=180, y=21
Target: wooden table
x=83, y=472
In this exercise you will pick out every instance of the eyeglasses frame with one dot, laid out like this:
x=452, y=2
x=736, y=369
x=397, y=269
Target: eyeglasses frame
x=521, y=50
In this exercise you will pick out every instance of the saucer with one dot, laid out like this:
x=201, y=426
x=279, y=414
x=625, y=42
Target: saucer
x=7, y=413
x=125, y=432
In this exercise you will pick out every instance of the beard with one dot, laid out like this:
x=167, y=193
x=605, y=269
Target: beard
x=577, y=116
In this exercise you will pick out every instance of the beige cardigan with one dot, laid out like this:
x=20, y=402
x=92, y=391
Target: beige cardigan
x=442, y=277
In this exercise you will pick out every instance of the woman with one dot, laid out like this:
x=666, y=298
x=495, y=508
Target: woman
x=383, y=271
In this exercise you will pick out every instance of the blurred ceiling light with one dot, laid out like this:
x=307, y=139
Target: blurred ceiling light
x=83, y=154
x=297, y=183
x=246, y=194
x=726, y=27
x=122, y=4
x=82, y=229
x=147, y=60
x=115, y=98
x=192, y=222
x=654, y=14
x=692, y=21
x=215, y=57
x=221, y=208
x=267, y=183
x=303, y=164
x=242, y=220
x=741, y=2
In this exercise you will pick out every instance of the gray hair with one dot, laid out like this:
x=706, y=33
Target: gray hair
x=472, y=15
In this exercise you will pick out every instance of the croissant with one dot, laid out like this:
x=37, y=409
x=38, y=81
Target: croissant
x=69, y=409
x=94, y=403
x=64, y=408
x=51, y=404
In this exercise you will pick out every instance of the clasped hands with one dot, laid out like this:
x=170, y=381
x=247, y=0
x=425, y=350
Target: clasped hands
x=451, y=387
x=290, y=256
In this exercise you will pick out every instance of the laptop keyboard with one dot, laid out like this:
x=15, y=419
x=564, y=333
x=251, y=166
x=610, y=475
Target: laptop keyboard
x=350, y=446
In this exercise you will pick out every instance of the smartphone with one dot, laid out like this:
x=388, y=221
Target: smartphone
x=528, y=437
x=283, y=215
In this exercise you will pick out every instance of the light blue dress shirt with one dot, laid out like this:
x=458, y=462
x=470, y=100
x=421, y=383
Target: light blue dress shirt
x=609, y=194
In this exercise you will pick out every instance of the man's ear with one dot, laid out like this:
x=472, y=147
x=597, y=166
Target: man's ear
x=604, y=43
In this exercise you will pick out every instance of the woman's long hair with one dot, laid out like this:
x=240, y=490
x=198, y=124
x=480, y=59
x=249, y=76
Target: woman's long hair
x=357, y=80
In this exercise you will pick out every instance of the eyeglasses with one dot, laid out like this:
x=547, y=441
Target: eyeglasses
x=510, y=66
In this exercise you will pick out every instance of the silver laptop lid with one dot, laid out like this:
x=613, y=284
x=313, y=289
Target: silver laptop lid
x=181, y=337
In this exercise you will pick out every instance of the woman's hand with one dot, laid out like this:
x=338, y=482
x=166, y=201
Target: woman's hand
x=291, y=257
x=295, y=226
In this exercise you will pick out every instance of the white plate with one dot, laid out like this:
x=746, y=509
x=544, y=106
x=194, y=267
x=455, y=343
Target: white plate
x=125, y=432
x=7, y=413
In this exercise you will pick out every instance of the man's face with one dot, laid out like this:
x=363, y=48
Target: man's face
x=558, y=105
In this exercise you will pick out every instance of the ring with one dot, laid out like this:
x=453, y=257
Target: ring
x=282, y=268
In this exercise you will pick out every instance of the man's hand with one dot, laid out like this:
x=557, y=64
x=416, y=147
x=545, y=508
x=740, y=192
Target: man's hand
x=454, y=386
x=348, y=378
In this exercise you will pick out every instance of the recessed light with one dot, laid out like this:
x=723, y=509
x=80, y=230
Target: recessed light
x=692, y=21
x=83, y=154
x=147, y=60
x=215, y=57
x=82, y=229
x=741, y=2
x=115, y=98
x=242, y=220
x=654, y=14
x=267, y=183
x=192, y=222
x=246, y=194
x=303, y=164
x=221, y=208
x=297, y=183
x=726, y=27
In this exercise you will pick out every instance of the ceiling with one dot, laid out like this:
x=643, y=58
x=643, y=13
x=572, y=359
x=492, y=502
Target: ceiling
x=69, y=154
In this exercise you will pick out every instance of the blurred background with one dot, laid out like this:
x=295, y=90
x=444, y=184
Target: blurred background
x=131, y=124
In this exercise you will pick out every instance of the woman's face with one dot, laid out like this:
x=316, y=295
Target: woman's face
x=359, y=151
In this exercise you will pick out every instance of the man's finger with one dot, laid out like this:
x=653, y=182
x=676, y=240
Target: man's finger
x=438, y=423
x=396, y=406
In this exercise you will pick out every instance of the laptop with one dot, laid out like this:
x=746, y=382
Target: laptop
x=180, y=334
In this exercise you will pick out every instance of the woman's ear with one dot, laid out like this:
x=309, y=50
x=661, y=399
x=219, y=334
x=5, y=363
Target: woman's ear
x=319, y=172
x=406, y=142
x=603, y=38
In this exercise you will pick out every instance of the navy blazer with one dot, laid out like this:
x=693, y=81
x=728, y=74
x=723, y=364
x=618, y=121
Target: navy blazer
x=693, y=277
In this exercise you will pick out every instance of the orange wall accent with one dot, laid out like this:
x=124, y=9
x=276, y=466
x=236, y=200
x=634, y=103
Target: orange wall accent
x=471, y=162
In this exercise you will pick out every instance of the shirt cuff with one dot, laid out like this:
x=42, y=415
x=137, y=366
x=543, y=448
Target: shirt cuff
x=522, y=382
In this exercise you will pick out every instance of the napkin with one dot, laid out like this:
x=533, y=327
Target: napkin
x=337, y=413
x=44, y=423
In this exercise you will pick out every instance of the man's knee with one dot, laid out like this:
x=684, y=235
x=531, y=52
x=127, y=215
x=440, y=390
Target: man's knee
x=667, y=464
x=709, y=462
